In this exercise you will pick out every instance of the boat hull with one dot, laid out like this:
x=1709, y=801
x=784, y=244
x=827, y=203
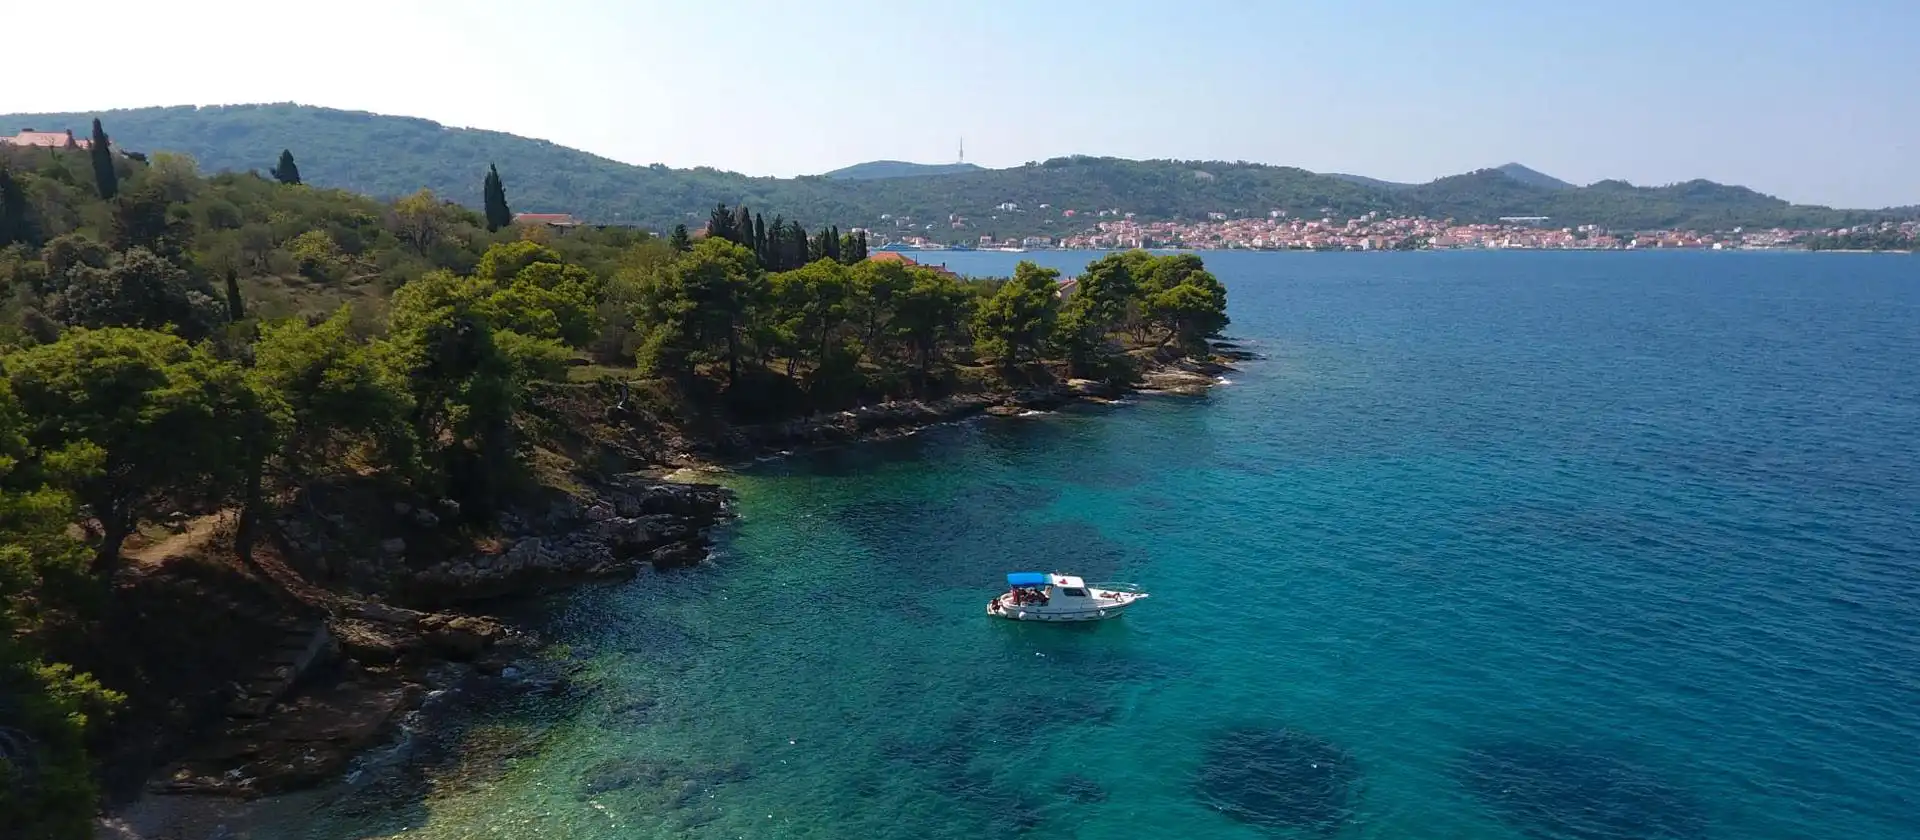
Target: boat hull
x=1000, y=608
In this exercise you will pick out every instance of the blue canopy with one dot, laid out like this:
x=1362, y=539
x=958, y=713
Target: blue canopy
x=1028, y=579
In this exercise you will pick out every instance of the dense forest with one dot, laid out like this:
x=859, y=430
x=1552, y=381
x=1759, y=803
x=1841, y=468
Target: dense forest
x=172, y=342
x=389, y=157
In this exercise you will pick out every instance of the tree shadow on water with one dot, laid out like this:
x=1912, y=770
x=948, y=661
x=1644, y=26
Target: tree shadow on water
x=1563, y=793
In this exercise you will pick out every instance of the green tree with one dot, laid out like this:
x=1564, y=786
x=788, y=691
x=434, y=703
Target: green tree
x=138, y=290
x=105, y=179
x=698, y=309
x=849, y=249
x=144, y=218
x=877, y=288
x=680, y=241
x=157, y=420
x=1017, y=321
x=286, y=171
x=420, y=221
x=930, y=316
x=1183, y=300
x=743, y=227
x=467, y=378
x=46, y=783
x=494, y=197
x=16, y=223
x=760, y=242
x=341, y=406
x=720, y=224
x=236, y=307
x=1103, y=300
x=69, y=251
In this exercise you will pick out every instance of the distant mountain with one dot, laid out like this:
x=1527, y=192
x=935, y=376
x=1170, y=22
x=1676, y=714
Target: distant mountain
x=1531, y=177
x=388, y=156
x=875, y=169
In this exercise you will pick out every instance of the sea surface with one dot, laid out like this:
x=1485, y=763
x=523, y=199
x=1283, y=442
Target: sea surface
x=1492, y=546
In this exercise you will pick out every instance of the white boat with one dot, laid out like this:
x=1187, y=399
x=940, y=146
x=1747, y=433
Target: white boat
x=1039, y=596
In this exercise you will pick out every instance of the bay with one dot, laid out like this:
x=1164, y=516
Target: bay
x=1547, y=545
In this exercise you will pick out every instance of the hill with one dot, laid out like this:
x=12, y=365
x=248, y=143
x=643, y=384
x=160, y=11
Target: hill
x=385, y=157
x=1532, y=177
x=874, y=169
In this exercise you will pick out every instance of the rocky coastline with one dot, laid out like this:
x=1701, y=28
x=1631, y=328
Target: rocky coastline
x=424, y=639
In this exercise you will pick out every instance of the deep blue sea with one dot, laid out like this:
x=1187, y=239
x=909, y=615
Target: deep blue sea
x=1487, y=545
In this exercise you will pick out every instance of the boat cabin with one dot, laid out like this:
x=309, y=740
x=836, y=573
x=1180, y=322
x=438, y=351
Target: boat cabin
x=1041, y=588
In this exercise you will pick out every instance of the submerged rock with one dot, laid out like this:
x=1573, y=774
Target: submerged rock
x=1570, y=794
x=1278, y=779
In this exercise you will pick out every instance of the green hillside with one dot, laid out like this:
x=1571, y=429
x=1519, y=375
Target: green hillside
x=385, y=156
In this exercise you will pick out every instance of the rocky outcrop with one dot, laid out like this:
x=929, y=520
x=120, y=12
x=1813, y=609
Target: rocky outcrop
x=864, y=423
x=626, y=525
x=1175, y=380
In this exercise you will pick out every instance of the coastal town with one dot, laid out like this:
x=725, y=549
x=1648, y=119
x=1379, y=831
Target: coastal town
x=1278, y=231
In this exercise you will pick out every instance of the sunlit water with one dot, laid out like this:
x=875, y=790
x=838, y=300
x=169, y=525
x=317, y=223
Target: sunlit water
x=1486, y=546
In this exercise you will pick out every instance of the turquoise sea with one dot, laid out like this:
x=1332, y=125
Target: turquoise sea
x=1539, y=545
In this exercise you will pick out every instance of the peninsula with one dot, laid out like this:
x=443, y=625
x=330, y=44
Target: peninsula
x=268, y=450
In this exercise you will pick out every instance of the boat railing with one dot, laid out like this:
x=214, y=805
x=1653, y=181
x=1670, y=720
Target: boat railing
x=1133, y=588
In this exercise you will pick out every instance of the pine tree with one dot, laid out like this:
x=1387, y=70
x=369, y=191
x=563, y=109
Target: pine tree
x=494, y=197
x=743, y=228
x=720, y=223
x=286, y=171
x=760, y=241
x=680, y=241
x=102, y=153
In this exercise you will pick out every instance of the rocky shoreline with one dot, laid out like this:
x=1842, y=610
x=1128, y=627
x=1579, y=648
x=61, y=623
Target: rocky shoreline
x=378, y=673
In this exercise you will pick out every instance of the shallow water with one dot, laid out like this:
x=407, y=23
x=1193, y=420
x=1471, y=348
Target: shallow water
x=1486, y=546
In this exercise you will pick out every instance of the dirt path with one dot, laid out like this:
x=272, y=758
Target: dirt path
x=199, y=531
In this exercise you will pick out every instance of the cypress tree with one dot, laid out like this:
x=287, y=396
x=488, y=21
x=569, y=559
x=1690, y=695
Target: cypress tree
x=104, y=177
x=743, y=227
x=861, y=246
x=777, y=245
x=236, y=308
x=13, y=211
x=680, y=241
x=720, y=223
x=494, y=197
x=797, y=247
x=286, y=171
x=833, y=242
x=760, y=241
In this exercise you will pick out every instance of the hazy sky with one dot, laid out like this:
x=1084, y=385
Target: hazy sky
x=1816, y=102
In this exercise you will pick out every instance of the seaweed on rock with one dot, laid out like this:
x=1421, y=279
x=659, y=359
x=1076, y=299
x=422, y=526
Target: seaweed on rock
x=1278, y=779
x=1559, y=793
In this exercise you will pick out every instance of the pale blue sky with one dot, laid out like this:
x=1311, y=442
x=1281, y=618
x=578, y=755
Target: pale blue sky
x=1816, y=102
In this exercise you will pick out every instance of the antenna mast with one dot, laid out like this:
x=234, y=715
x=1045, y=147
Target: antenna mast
x=963, y=150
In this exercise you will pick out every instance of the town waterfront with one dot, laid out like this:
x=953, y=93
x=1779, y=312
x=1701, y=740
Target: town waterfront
x=1485, y=546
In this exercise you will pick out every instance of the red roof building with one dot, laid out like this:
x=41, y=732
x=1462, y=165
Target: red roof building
x=550, y=219
x=47, y=139
x=903, y=259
